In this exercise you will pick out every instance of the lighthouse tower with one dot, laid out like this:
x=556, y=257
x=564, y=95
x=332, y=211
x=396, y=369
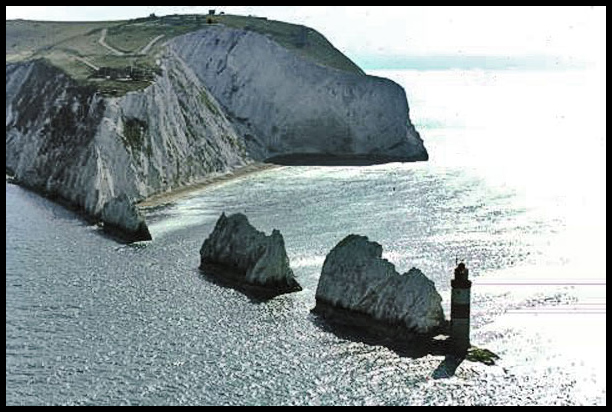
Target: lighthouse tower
x=460, y=310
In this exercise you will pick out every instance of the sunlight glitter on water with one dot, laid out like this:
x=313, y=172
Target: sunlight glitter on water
x=89, y=321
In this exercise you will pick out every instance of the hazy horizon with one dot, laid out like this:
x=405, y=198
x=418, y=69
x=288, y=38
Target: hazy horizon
x=404, y=36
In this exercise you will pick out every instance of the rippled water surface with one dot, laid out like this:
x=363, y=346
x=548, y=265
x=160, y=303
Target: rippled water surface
x=515, y=190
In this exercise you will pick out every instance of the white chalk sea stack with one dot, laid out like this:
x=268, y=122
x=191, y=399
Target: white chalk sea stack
x=356, y=283
x=239, y=253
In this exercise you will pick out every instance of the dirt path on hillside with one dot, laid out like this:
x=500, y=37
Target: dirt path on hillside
x=146, y=48
x=88, y=63
x=103, y=43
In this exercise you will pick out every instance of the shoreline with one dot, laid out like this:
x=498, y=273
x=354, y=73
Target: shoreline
x=165, y=198
x=318, y=159
x=111, y=230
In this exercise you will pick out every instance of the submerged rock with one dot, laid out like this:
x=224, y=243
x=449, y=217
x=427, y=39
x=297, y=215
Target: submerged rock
x=358, y=287
x=238, y=253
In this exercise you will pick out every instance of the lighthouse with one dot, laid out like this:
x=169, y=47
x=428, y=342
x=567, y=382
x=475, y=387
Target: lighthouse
x=460, y=310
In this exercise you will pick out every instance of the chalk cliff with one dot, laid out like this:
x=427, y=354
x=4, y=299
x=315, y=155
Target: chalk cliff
x=238, y=251
x=288, y=107
x=68, y=141
x=357, y=284
x=218, y=98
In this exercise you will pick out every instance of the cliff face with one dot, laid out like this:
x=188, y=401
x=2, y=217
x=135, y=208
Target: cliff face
x=51, y=124
x=68, y=141
x=287, y=106
x=221, y=98
x=173, y=133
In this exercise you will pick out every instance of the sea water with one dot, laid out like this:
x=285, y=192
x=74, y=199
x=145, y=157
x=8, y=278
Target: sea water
x=515, y=187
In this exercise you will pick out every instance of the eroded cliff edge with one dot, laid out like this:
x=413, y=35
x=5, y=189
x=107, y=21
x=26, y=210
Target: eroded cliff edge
x=291, y=109
x=221, y=98
x=102, y=154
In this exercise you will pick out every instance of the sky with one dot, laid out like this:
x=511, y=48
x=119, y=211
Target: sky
x=407, y=35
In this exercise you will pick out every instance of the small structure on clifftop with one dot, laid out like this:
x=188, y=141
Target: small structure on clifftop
x=359, y=288
x=238, y=254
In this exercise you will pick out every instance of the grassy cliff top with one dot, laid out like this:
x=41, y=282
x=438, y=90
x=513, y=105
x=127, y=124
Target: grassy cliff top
x=119, y=56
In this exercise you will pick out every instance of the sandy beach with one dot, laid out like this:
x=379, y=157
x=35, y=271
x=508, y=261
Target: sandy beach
x=173, y=195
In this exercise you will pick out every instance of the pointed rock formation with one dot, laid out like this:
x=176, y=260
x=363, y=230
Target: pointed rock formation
x=239, y=254
x=358, y=287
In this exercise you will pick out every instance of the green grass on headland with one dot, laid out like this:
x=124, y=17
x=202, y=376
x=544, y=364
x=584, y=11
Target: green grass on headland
x=302, y=40
x=75, y=47
x=25, y=38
